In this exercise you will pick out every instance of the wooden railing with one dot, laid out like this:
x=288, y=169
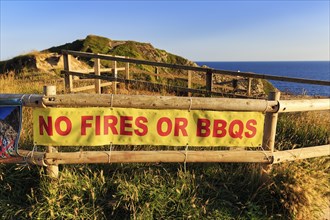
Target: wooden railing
x=209, y=72
x=113, y=78
x=266, y=155
x=68, y=79
x=272, y=106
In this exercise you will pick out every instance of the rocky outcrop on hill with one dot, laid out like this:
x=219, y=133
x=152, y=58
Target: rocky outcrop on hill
x=44, y=62
x=50, y=60
x=132, y=49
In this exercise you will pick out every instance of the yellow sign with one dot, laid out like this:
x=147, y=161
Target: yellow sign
x=128, y=126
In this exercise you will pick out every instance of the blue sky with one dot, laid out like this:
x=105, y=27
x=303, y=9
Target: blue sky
x=197, y=30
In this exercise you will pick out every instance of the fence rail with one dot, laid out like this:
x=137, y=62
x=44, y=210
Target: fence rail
x=51, y=158
x=209, y=71
x=170, y=102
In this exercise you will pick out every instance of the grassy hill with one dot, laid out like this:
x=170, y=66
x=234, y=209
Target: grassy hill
x=49, y=60
x=133, y=49
x=49, y=63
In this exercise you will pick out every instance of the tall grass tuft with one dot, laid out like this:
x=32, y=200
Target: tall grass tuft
x=301, y=188
x=16, y=183
x=302, y=129
x=73, y=196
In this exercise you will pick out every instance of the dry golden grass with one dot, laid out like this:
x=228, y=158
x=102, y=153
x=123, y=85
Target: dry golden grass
x=31, y=84
x=295, y=190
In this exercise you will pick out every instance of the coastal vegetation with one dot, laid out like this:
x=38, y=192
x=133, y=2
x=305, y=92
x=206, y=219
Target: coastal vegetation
x=292, y=190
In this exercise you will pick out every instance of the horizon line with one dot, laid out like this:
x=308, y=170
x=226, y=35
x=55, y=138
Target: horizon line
x=262, y=61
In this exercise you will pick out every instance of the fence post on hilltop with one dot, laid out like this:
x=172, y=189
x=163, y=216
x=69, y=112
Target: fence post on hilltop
x=115, y=75
x=189, y=82
x=52, y=170
x=127, y=69
x=97, y=73
x=68, y=84
x=268, y=141
x=249, y=86
x=208, y=80
x=157, y=72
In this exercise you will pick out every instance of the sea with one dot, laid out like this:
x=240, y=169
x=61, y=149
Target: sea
x=317, y=70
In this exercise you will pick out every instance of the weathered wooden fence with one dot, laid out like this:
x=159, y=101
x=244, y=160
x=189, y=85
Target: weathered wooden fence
x=114, y=79
x=209, y=73
x=266, y=155
x=68, y=79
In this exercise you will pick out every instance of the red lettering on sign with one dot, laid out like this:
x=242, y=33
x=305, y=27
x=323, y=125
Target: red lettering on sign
x=68, y=123
x=140, y=123
x=251, y=128
x=110, y=121
x=203, y=127
x=219, y=126
x=97, y=125
x=180, y=125
x=85, y=124
x=47, y=126
x=236, y=128
x=124, y=125
x=160, y=124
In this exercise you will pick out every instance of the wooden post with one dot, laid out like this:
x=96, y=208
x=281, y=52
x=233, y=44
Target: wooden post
x=127, y=69
x=115, y=75
x=208, y=80
x=52, y=170
x=157, y=72
x=249, y=86
x=97, y=73
x=68, y=83
x=189, y=82
x=235, y=85
x=268, y=141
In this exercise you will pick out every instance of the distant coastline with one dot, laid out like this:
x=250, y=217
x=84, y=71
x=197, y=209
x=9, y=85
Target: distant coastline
x=319, y=70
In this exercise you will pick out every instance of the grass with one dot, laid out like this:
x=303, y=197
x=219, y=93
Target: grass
x=294, y=190
x=303, y=129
